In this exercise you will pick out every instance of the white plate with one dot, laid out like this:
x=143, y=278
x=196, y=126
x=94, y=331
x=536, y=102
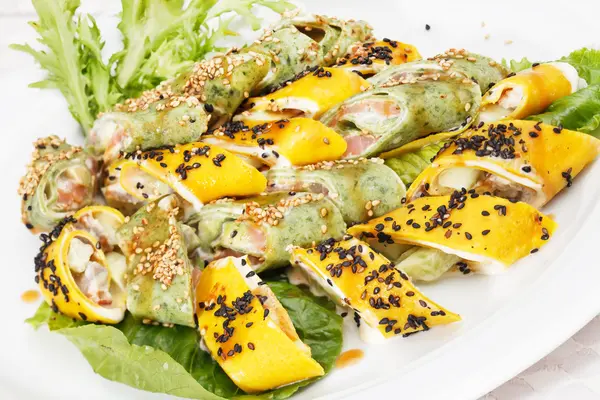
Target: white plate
x=510, y=321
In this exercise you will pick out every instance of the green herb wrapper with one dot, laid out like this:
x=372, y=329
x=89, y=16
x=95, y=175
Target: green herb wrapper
x=60, y=180
x=264, y=231
x=481, y=69
x=360, y=189
x=160, y=273
x=385, y=118
x=299, y=43
x=180, y=110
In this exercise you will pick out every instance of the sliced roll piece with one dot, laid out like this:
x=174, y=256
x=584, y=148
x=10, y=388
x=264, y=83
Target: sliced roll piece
x=309, y=95
x=355, y=276
x=198, y=172
x=265, y=229
x=488, y=233
x=247, y=331
x=530, y=91
x=372, y=57
x=60, y=180
x=102, y=222
x=519, y=160
x=298, y=43
x=299, y=141
x=360, y=189
x=384, y=118
x=159, y=288
x=179, y=110
x=455, y=62
x=77, y=278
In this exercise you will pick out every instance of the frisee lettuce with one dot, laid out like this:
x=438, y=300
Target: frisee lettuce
x=72, y=59
x=168, y=360
x=160, y=39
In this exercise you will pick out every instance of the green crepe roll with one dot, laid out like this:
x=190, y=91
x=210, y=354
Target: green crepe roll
x=208, y=221
x=481, y=69
x=157, y=126
x=360, y=189
x=159, y=286
x=384, y=118
x=264, y=232
x=297, y=44
x=180, y=110
x=60, y=180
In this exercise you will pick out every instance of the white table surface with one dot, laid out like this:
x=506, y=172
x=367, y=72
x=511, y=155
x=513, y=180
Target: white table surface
x=572, y=371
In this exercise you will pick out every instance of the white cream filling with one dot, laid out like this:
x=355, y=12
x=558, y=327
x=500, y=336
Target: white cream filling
x=485, y=265
x=79, y=255
x=459, y=177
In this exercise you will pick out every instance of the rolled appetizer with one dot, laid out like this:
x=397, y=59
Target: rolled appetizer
x=179, y=110
x=385, y=118
x=360, y=189
x=60, y=180
x=198, y=172
x=480, y=69
x=159, y=288
x=102, y=222
x=299, y=43
x=357, y=277
x=247, y=331
x=530, y=91
x=77, y=278
x=299, y=141
x=519, y=160
x=310, y=95
x=370, y=58
x=264, y=230
x=487, y=234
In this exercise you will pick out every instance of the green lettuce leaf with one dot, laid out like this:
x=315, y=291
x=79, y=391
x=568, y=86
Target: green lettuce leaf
x=579, y=111
x=587, y=63
x=409, y=165
x=72, y=59
x=516, y=65
x=168, y=360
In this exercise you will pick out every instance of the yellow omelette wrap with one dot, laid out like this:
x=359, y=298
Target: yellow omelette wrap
x=355, y=276
x=78, y=271
x=284, y=143
x=247, y=330
x=197, y=171
x=369, y=58
x=519, y=160
x=529, y=92
x=311, y=94
x=488, y=233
